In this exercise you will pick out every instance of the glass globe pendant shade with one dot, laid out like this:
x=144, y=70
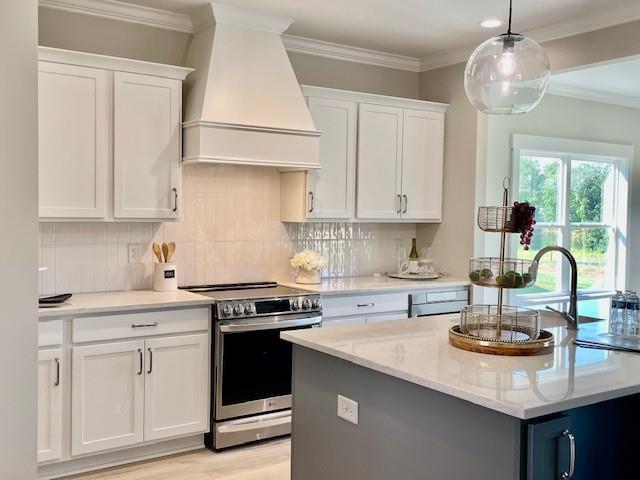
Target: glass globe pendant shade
x=507, y=74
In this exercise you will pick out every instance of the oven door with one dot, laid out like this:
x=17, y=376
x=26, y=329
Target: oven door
x=253, y=365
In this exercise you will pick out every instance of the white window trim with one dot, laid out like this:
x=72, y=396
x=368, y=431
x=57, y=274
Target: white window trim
x=618, y=154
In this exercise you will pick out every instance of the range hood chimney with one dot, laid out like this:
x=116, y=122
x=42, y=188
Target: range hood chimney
x=243, y=102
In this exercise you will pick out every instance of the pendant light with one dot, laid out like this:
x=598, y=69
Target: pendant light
x=507, y=74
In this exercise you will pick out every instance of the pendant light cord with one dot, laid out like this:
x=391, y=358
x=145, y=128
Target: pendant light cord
x=510, y=10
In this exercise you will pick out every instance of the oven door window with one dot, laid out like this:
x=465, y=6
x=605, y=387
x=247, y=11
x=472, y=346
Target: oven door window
x=255, y=366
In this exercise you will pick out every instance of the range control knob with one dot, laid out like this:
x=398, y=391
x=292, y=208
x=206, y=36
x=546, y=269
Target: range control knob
x=306, y=303
x=249, y=308
x=317, y=303
x=295, y=304
x=237, y=309
x=226, y=310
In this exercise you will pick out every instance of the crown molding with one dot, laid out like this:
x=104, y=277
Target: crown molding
x=593, y=95
x=610, y=17
x=154, y=17
x=351, y=54
x=124, y=12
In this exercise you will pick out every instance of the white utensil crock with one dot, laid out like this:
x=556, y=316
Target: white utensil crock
x=164, y=277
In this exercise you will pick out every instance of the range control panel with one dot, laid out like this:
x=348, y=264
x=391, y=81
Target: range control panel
x=268, y=306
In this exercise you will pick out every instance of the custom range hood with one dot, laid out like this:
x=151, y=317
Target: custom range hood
x=243, y=102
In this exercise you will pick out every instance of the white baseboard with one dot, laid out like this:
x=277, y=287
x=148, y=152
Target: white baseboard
x=119, y=457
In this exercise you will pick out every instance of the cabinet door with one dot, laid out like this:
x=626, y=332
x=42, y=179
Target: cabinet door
x=340, y=321
x=379, y=161
x=147, y=129
x=331, y=190
x=384, y=317
x=176, y=386
x=422, y=165
x=49, y=404
x=73, y=140
x=107, y=396
x=547, y=449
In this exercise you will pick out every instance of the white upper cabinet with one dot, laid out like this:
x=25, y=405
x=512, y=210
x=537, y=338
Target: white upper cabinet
x=73, y=125
x=384, y=152
x=109, y=137
x=176, y=386
x=146, y=146
x=422, y=165
x=379, y=161
x=331, y=190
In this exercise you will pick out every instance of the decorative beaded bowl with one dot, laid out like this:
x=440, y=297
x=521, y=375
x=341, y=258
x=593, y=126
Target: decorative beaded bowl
x=508, y=273
x=514, y=324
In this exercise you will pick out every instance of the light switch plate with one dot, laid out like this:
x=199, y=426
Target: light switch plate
x=135, y=253
x=348, y=409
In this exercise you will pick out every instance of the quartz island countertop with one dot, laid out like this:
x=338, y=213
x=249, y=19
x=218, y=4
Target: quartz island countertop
x=108, y=302
x=417, y=350
x=373, y=284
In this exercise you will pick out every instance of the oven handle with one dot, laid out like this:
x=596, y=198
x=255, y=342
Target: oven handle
x=279, y=325
x=243, y=427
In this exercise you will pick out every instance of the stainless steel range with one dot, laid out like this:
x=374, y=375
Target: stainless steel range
x=251, y=375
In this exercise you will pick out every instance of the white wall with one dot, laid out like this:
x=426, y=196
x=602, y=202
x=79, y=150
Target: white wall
x=18, y=240
x=565, y=118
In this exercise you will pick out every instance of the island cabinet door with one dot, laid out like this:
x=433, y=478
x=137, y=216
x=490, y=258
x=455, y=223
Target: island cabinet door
x=176, y=386
x=107, y=396
x=548, y=449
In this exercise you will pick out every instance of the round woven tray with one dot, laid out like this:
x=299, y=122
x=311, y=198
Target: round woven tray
x=540, y=346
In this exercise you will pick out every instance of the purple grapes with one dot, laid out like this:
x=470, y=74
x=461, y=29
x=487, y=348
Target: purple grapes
x=523, y=217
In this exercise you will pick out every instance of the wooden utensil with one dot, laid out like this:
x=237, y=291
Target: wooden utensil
x=157, y=252
x=172, y=249
x=165, y=252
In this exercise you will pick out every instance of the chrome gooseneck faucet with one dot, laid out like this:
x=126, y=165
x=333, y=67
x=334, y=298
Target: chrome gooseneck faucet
x=572, y=315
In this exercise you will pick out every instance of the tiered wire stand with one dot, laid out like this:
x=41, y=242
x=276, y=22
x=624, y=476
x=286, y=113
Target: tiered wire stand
x=501, y=329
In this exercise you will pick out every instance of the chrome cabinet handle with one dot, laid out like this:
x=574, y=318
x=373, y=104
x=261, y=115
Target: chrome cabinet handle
x=144, y=325
x=141, y=360
x=57, y=382
x=406, y=202
x=312, y=201
x=362, y=305
x=572, y=455
x=175, y=199
x=399, y=203
x=150, y=361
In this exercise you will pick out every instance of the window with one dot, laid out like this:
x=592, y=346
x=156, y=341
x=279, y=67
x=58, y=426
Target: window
x=579, y=190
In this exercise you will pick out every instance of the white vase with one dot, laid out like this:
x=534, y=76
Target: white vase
x=308, y=277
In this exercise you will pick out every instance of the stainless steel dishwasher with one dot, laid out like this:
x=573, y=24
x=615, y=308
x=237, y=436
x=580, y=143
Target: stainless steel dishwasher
x=437, y=302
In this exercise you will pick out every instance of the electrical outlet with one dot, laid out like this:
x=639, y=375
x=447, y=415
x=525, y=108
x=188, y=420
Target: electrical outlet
x=135, y=253
x=348, y=409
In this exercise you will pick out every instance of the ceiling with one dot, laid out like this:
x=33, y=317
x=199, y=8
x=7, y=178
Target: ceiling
x=425, y=28
x=620, y=79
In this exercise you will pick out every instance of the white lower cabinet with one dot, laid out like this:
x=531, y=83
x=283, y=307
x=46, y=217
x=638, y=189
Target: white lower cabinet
x=360, y=309
x=107, y=396
x=125, y=393
x=176, y=386
x=50, y=384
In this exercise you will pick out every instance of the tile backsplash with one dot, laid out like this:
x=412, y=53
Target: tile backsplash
x=230, y=231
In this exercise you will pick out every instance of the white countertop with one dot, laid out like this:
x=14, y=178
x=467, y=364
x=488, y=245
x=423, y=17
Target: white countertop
x=107, y=302
x=374, y=284
x=417, y=350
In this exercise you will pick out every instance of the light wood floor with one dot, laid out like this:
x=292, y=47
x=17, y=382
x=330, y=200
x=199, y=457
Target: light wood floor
x=261, y=461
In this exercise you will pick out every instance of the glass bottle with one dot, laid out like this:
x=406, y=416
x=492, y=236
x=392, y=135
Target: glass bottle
x=632, y=314
x=414, y=249
x=616, y=317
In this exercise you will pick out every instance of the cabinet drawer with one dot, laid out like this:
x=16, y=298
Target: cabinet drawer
x=142, y=324
x=340, y=306
x=50, y=333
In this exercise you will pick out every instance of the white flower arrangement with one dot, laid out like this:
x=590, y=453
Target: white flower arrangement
x=308, y=260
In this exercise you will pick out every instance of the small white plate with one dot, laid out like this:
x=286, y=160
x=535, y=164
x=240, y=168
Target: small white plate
x=415, y=276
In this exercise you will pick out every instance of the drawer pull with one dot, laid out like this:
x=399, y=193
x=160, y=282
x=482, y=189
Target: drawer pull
x=362, y=305
x=572, y=455
x=144, y=325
